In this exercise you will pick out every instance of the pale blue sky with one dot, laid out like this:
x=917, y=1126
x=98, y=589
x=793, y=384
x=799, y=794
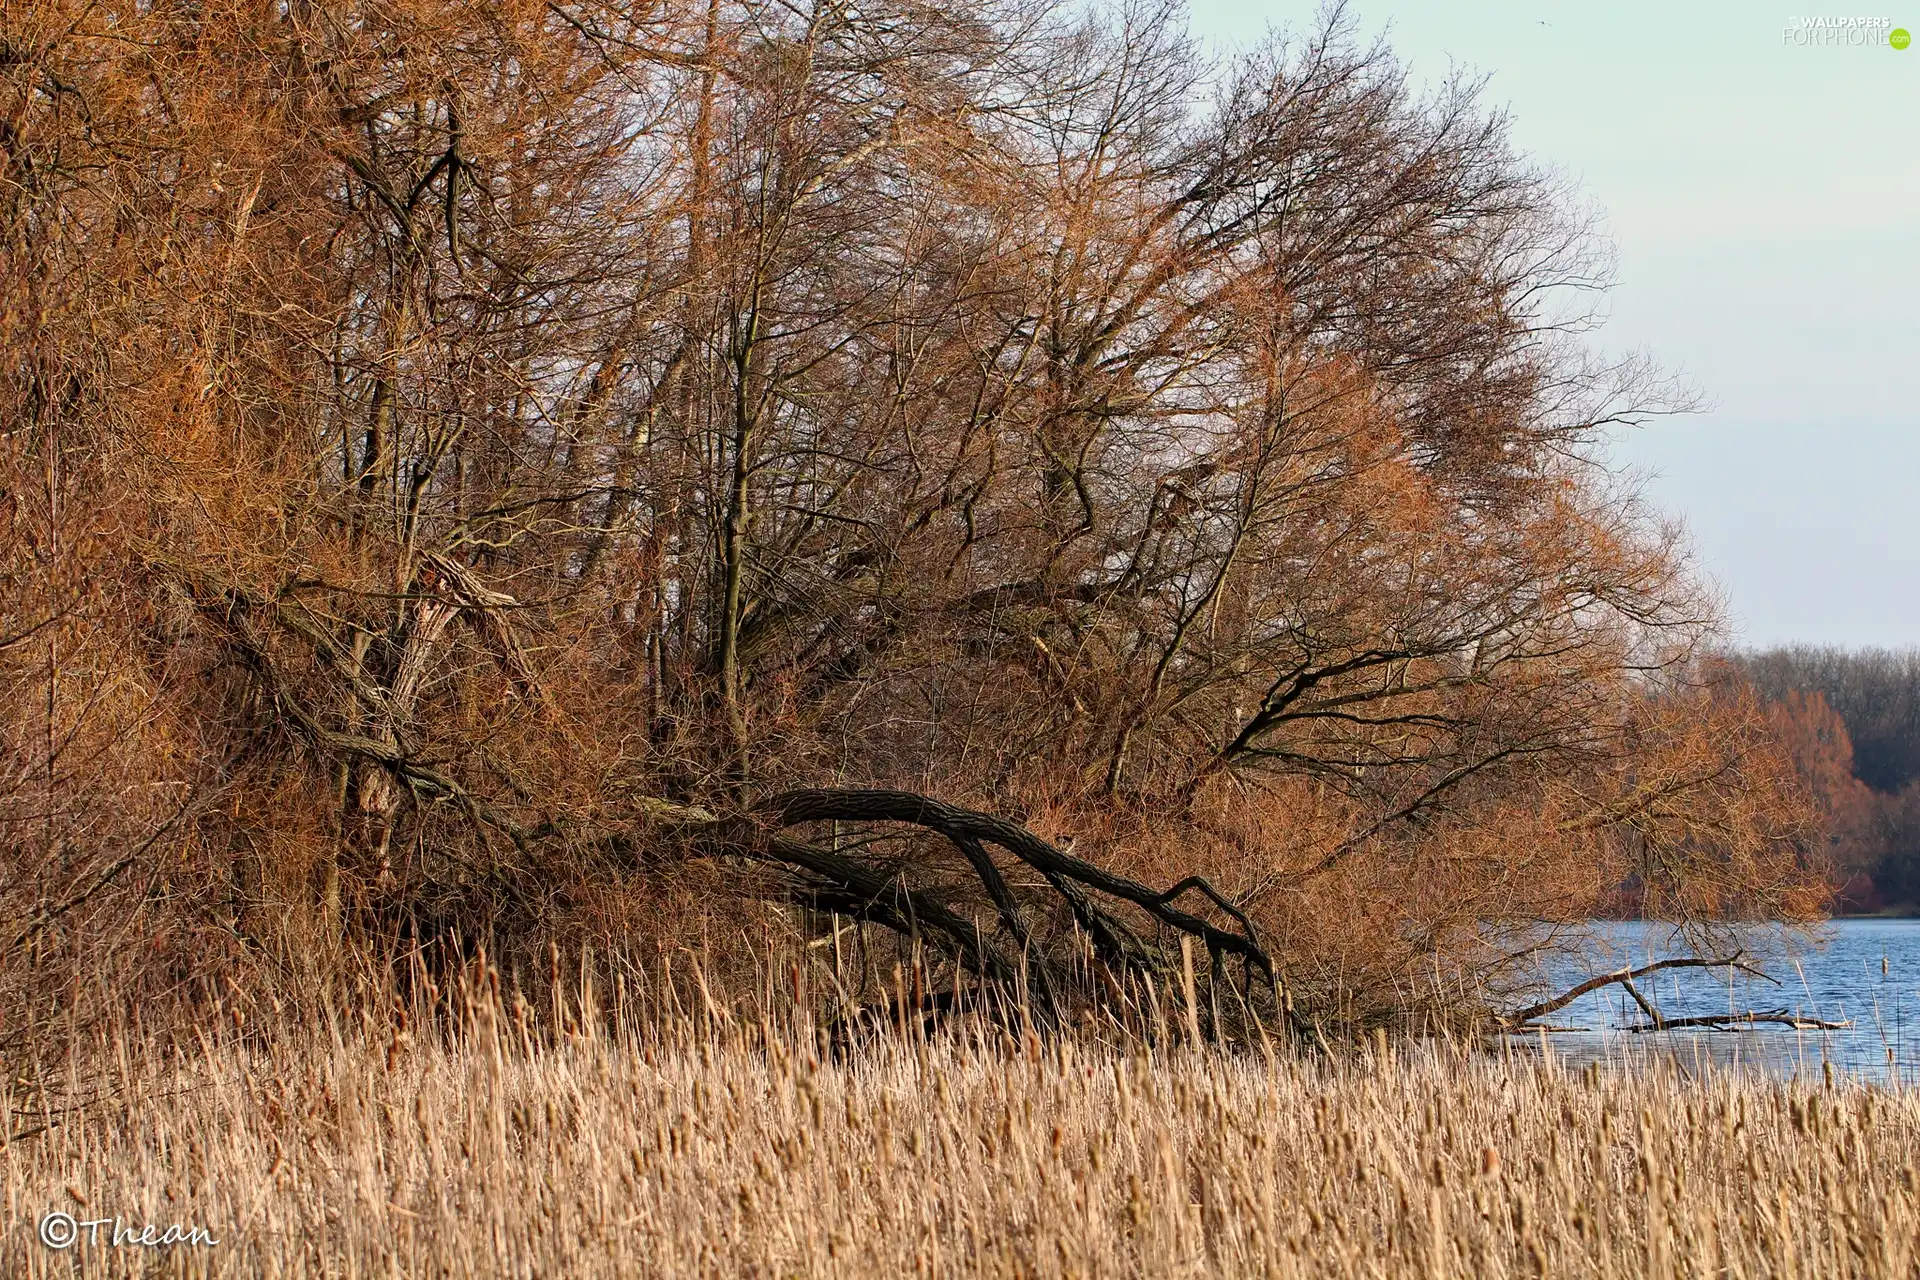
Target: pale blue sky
x=1765, y=203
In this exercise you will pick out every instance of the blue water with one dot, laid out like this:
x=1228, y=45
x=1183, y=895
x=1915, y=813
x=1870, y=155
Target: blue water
x=1866, y=972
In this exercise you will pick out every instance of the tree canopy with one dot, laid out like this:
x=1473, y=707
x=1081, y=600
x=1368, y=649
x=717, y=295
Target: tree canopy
x=454, y=451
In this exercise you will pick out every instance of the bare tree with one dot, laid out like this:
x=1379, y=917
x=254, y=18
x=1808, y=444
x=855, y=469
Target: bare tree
x=540, y=449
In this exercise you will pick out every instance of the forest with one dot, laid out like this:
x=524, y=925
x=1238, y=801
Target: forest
x=573, y=482
x=1851, y=719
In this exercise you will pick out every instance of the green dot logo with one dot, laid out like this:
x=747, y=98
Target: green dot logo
x=1899, y=38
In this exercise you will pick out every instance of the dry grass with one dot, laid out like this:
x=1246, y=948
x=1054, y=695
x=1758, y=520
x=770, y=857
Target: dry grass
x=736, y=1151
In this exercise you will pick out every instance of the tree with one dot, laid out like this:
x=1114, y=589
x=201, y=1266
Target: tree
x=544, y=450
x=1870, y=702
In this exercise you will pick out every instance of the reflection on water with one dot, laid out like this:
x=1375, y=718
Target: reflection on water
x=1863, y=971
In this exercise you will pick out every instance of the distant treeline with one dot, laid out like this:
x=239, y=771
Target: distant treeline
x=1852, y=718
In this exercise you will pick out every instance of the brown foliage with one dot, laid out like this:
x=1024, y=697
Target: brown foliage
x=1852, y=721
x=452, y=446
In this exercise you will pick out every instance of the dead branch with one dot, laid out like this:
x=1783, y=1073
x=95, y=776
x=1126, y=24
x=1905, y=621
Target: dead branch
x=1734, y=1021
x=1519, y=1019
x=1657, y=1021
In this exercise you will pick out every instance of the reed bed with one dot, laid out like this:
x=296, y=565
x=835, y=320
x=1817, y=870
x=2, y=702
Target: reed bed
x=716, y=1145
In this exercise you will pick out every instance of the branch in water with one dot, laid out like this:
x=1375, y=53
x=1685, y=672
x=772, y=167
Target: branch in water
x=1519, y=1019
x=1732, y=1021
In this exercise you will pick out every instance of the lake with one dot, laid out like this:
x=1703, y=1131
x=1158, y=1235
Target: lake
x=1866, y=971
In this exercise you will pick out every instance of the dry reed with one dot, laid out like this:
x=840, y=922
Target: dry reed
x=722, y=1143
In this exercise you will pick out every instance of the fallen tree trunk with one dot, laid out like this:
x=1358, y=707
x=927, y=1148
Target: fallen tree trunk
x=909, y=896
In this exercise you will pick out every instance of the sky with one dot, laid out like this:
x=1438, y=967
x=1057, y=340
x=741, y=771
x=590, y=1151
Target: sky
x=1763, y=198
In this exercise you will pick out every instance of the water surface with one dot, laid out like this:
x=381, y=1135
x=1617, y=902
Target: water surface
x=1866, y=972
